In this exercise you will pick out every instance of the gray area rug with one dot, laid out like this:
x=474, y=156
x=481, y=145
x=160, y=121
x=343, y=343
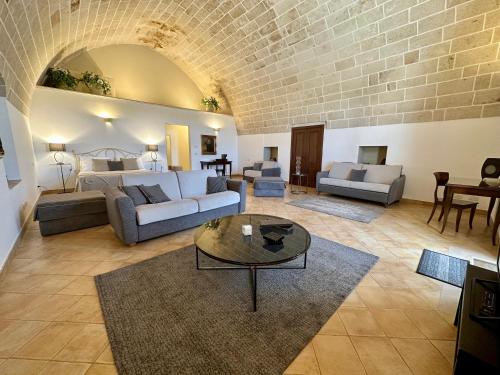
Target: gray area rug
x=358, y=211
x=165, y=317
x=443, y=267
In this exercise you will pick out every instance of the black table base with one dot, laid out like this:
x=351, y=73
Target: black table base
x=252, y=269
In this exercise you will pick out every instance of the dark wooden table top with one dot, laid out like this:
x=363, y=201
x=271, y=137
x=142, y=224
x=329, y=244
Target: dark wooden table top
x=222, y=239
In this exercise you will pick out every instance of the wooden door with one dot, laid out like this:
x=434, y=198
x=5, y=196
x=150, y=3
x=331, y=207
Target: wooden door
x=307, y=142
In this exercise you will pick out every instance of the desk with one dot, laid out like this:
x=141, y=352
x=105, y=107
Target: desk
x=477, y=349
x=478, y=190
x=217, y=163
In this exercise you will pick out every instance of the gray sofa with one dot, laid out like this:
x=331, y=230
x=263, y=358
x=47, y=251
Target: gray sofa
x=268, y=169
x=189, y=206
x=381, y=183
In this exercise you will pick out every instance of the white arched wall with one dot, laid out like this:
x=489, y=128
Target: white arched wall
x=139, y=73
x=73, y=118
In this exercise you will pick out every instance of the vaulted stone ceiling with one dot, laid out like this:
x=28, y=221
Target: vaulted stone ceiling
x=278, y=63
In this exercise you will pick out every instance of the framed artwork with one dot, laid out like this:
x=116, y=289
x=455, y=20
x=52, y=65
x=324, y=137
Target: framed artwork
x=208, y=145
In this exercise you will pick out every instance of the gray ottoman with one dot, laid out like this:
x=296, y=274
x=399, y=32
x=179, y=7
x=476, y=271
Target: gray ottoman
x=268, y=187
x=59, y=213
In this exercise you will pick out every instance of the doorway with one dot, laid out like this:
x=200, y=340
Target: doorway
x=178, y=149
x=307, y=143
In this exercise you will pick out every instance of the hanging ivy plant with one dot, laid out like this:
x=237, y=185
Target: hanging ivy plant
x=60, y=78
x=211, y=104
x=95, y=81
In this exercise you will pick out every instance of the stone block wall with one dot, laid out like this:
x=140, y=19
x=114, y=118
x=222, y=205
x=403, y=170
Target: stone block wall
x=348, y=63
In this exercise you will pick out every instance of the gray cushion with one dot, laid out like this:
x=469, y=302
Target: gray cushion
x=194, y=183
x=252, y=173
x=267, y=164
x=342, y=170
x=58, y=206
x=100, y=165
x=151, y=213
x=334, y=182
x=268, y=183
x=217, y=200
x=115, y=165
x=370, y=186
x=357, y=175
x=216, y=184
x=257, y=166
x=135, y=194
x=382, y=174
x=130, y=164
x=167, y=181
x=154, y=194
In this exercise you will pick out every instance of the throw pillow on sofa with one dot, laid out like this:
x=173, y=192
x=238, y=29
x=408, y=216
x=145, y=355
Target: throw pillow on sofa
x=154, y=194
x=135, y=194
x=216, y=184
x=257, y=166
x=357, y=175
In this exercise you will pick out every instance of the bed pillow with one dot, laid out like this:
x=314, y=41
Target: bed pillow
x=135, y=194
x=85, y=164
x=114, y=165
x=216, y=184
x=100, y=165
x=154, y=194
x=130, y=164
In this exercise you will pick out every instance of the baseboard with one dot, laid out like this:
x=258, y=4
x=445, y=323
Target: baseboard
x=3, y=268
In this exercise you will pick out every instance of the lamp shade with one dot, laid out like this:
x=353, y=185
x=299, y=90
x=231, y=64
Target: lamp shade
x=152, y=148
x=57, y=147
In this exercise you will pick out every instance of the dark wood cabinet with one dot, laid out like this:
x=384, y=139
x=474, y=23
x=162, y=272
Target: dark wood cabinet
x=478, y=344
x=307, y=142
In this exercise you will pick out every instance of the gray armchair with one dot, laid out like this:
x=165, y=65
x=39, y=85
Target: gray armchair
x=268, y=169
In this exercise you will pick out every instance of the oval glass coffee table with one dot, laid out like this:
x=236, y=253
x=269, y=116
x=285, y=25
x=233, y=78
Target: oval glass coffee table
x=222, y=239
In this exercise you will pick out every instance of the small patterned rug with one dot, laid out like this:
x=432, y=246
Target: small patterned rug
x=443, y=267
x=357, y=211
x=163, y=316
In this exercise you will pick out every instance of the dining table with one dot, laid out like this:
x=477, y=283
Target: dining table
x=479, y=190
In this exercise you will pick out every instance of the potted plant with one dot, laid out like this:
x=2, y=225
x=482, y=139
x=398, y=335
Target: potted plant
x=96, y=82
x=211, y=104
x=60, y=78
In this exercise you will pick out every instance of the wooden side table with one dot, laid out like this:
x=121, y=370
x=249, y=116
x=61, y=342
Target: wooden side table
x=299, y=177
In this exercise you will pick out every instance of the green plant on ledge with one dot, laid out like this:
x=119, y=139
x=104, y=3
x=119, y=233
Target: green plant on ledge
x=211, y=104
x=61, y=78
x=94, y=81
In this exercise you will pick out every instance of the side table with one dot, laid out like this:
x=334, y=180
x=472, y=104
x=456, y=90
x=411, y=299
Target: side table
x=299, y=177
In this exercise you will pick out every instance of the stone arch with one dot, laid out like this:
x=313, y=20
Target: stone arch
x=347, y=63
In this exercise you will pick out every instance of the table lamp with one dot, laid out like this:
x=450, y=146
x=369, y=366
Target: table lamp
x=57, y=149
x=154, y=153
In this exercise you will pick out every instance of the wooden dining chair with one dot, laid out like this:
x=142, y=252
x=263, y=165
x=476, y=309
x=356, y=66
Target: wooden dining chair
x=441, y=180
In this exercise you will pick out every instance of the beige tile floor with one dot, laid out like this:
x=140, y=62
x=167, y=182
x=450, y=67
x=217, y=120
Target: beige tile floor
x=394, y=322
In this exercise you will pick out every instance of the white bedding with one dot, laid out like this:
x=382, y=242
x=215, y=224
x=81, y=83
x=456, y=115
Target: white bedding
x=90, y=180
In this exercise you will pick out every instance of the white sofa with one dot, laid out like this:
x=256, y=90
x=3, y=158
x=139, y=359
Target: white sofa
x=381, y=183
x=189, y=204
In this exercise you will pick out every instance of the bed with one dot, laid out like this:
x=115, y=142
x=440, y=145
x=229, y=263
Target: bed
x=88, y=179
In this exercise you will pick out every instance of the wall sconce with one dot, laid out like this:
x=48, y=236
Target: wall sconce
x=57, y=148
x=216, y=131
x=108, y=121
